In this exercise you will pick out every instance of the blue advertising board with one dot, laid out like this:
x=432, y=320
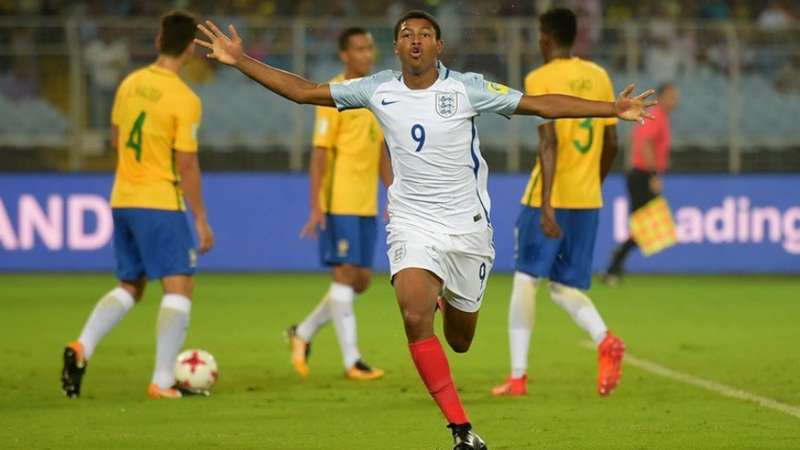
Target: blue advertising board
x=739, y=224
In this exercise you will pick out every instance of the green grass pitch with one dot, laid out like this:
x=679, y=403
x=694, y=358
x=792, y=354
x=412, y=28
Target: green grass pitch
x=736, y=330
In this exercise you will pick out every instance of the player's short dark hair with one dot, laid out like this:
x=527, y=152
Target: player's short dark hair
x=560, y=24
x=178, y=29
x=347, y=33
x=418, y=14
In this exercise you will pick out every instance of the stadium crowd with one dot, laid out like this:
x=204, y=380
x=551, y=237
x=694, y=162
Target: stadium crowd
x=669, y=45
x=770, y=14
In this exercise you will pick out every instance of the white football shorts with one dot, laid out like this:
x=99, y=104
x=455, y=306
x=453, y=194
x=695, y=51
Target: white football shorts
x=462, y=261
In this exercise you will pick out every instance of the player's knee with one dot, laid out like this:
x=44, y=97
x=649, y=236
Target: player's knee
x=360, y=287
x=182, y=285
x=558, y=292
x=135, y=288
x=460, y=347
x=188, y=287
x=185, y=287
x=362, y=283
x=459, y=344
x=556, y=288
x=413, y=319
x=568, y=297
x=524, y=281
x=417, y=324
x=345, y=274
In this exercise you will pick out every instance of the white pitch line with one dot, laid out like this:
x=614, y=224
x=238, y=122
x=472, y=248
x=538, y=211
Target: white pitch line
x=713, y=386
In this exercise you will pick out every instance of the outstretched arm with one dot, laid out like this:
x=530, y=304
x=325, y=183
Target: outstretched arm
x=230, y=51
x=557, y=106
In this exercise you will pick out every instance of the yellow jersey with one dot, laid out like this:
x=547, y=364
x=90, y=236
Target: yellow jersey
x=353, y=140
x=156, y=114
x=580, y=141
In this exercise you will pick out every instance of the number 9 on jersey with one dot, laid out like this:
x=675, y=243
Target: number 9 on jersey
x=418, y=135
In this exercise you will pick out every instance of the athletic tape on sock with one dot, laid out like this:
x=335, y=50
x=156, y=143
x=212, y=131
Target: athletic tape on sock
x=125, y=298
x=177, y=302
x=341, y=292
x=581, y=308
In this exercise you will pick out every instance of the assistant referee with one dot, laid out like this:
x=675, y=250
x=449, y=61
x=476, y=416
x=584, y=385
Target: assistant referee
x=650, y=153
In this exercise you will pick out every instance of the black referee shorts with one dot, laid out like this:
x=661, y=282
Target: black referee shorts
x=639, y=190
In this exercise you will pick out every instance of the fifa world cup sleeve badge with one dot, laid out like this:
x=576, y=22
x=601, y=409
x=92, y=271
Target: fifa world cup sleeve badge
x=497, y=88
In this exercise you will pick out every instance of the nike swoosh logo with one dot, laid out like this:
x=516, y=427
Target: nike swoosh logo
x=385, y=103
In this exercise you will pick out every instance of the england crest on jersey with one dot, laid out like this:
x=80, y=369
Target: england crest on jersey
x=446, y=105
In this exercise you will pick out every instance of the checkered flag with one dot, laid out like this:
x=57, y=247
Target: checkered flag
x=652, y=227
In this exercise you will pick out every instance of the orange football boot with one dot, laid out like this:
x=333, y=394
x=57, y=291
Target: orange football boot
x=363, y=372
x=155, y=392
x=300, y=351
x=513, y=387
x=609, y=360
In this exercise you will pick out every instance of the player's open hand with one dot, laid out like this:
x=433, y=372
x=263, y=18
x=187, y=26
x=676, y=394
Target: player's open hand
x=634, y=108
x=205, y=236
x=227, y=50
x=316, y=221
x=549, y=224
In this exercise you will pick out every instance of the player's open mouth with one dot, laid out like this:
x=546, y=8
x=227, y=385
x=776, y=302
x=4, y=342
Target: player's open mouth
x=416, y=52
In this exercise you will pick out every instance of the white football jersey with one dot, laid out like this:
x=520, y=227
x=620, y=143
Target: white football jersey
x=440, y=177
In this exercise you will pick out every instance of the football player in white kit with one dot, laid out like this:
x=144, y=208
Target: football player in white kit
x=440, y=232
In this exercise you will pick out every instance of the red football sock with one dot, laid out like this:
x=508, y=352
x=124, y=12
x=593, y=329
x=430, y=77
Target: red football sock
x=431, y=362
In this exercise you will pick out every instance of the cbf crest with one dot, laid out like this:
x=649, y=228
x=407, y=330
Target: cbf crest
x=343, y=248
x=446, y=105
